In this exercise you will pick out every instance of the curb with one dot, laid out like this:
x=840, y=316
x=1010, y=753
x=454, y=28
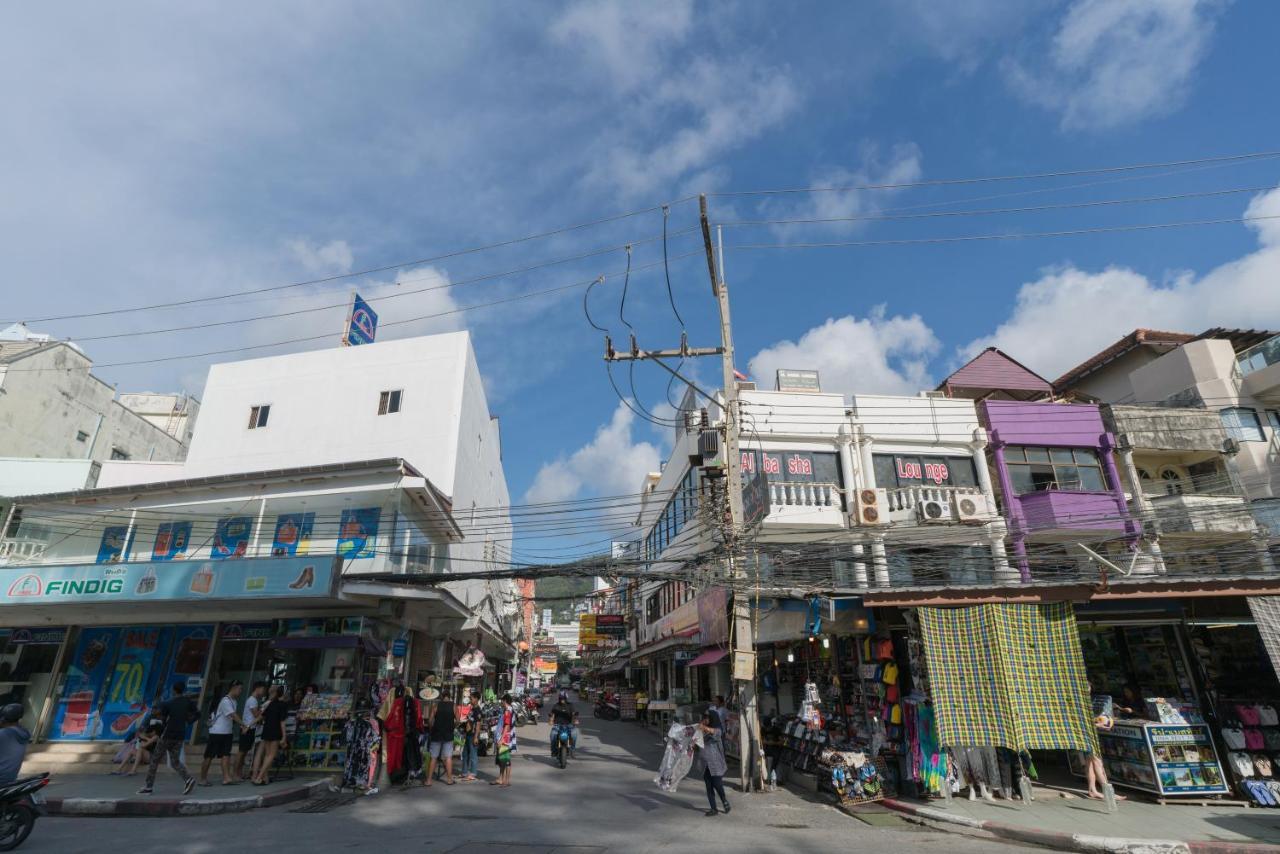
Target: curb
x=1080, y=841
x=169, y=807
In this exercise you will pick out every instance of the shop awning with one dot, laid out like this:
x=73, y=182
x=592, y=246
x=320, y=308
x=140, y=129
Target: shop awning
x=710, y=656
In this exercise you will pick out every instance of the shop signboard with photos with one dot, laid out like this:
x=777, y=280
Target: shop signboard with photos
x=1165, y=759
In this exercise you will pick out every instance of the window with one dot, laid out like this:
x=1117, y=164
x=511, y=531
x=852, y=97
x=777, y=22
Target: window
x=1039, y=469
x=82, y=436
x=1273, y=419
x=119, y=454
x=1242, y=424
x=1172, y=481
x=389, y=402
x=258, y=416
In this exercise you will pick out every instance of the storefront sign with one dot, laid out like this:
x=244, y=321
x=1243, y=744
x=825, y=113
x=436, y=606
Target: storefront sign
x=141, y=582
x=399, y=647
x=1168, y=759
x=248, y=631
x=37, y=637
x=684, y=656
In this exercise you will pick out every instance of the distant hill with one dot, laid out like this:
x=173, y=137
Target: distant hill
x=554, y=590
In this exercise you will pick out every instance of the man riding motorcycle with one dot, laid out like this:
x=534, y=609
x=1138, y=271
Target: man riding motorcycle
x=563, y=715
x=14, y=739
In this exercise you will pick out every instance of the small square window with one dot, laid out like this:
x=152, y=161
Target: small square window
x=258, y=416
x=118, y=454
x=389, y=402
x=82, y=436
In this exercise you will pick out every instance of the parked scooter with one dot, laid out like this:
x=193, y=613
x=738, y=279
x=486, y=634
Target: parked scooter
x=21, y=803
x=608, y=709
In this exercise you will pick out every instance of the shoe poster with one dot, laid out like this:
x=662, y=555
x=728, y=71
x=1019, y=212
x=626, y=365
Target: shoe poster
x=293, y=534
x=232, y=537
x=358, y=532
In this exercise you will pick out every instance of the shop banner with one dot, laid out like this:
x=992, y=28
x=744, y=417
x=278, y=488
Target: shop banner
x=231, y=540
x=263, y=578
x=293, y=534
x=172, y=540
x=358, y=532
x=113, y=548
x=77, y=716
x=130, y=690
x=191, y=646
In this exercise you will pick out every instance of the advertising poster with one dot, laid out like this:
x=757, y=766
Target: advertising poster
x=172, y=540
x=77, y=716
x=358, y=532
x=231, y=539
x=1186, y=762
x=293, y=534
x=130, y=689
x=113, y=547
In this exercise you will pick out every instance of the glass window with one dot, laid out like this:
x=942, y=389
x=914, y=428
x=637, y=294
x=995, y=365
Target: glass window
x=1273, y=419
x=1061, y=455
x=1057, y=468
x=1067, y=477
x=1242, y=424
x=1091, y=479
x=885, y=477
x=1020, y=476
x=963, y=471
x=1037, y=455
x=1015, y=453
x=389, y=402
x=258, y=416
x=826, y=468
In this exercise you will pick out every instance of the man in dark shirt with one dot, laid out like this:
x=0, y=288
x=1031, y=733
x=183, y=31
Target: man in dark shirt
x=440, y=740
x=178, y=711
x=563, y=715
x=14, y=739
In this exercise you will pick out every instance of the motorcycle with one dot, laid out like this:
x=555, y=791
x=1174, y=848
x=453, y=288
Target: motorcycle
x=531, y=709
x=607, y=711
x=21, y=803
x=560, y=743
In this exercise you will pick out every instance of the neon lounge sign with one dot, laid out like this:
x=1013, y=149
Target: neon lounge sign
x=910, y=470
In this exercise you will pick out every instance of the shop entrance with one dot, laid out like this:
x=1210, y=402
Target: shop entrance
x=27, y=661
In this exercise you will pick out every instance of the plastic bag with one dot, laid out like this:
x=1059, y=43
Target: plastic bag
x=682, y=742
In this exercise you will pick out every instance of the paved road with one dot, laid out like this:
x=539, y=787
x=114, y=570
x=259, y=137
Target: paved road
x=605, y=801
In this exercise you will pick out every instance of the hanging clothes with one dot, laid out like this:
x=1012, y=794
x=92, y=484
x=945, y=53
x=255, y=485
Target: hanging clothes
x=413, y=733
x=360, y=766
x=393, y=734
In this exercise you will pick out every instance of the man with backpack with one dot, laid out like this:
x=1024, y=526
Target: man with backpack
x=223, y=721
x=177, y=713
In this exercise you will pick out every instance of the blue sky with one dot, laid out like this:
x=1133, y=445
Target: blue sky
x=154, y=151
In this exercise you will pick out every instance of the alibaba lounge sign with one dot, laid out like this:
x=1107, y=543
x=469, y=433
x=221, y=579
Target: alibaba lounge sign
x=909, y=470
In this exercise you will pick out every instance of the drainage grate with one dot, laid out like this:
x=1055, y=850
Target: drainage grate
x=325, y=803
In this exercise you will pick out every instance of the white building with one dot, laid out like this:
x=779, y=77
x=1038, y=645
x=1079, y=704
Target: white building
x=319, y=488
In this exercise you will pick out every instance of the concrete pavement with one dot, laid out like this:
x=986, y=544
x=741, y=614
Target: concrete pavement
x=605, y=801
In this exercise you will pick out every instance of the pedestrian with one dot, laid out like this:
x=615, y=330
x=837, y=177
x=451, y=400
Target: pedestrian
x=1095, y=773
x=440, y=739
x=145, y=741
x=642, y=706
x=222, y=723
x=177, y=713
x=467, y=714
x=504, y=734
x=250, y=729
x=14, y=739
x=722, y=711
x=273, y=714
x=713, y=761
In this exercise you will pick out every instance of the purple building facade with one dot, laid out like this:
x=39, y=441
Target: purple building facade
x=1057, y=475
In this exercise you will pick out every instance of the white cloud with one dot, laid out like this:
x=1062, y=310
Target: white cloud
x=332, y=258
x=903, y=165
x=1069, y=314
x=612, y=463
x=1116, y=62
x=624, y=36
x=871, y=355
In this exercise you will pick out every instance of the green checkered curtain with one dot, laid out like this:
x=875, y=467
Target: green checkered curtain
x=969, y=699
x=1009, y=675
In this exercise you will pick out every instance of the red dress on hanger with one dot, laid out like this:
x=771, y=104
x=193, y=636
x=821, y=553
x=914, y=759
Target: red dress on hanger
x=393, y=730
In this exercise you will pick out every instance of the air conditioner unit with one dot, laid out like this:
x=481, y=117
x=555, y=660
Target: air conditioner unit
x=873, y=507
x=934, y=511
x=970, y=508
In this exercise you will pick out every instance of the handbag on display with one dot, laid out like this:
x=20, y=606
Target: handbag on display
x=1248, y=715
x=1267, y=716
x=1253, y=739
x=1234, y=738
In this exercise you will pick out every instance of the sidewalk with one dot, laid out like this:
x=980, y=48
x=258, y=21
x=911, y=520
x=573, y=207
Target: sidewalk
x=100, y=794
x=1079, y=824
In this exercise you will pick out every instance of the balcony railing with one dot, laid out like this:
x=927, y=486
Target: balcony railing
x=22, y=550
x=1259, y=356
x=804, y=495
x=907, y=498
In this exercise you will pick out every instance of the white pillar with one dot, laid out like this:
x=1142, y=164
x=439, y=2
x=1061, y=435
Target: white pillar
x=879, y=560
x=860, y=565
x=1144, y=511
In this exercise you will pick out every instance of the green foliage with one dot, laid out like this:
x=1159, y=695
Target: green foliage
x=555, y=591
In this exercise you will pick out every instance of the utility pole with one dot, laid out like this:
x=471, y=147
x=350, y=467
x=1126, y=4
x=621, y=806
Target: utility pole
x=744, y=669
x=744, y=652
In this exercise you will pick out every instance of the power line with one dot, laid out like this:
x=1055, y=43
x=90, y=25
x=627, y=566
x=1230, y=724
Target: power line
x=942, y=182
x=1011, y=236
